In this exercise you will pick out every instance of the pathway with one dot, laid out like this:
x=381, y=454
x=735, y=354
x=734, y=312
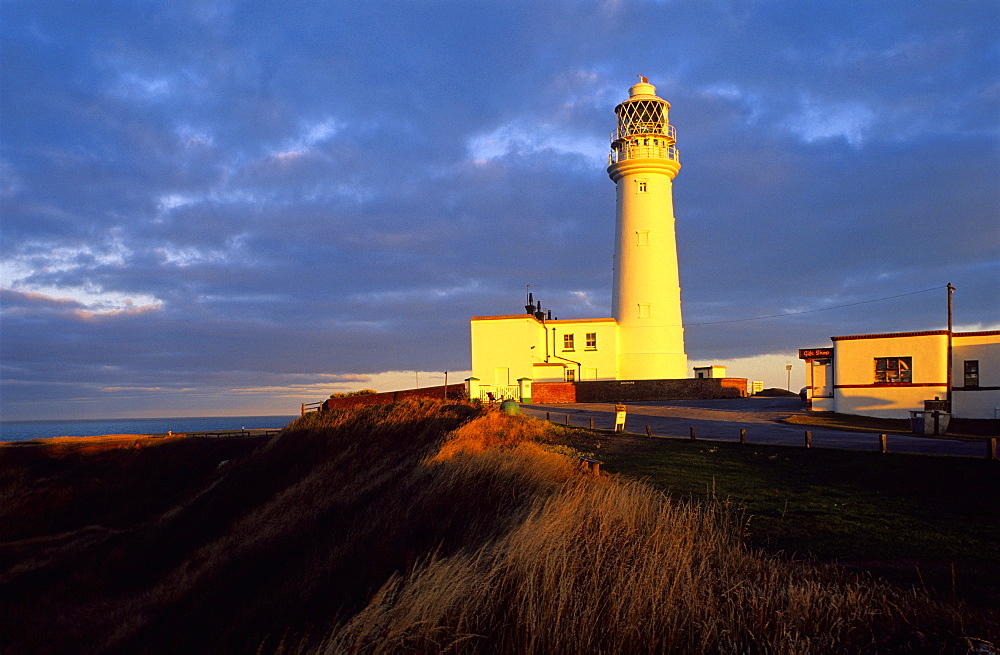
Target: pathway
x=722, y=419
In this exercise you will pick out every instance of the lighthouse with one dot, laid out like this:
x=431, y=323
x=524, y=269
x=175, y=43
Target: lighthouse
x=638, y=352
x=646, y=296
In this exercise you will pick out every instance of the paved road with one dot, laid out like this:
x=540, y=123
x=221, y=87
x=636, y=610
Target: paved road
x=722, y=419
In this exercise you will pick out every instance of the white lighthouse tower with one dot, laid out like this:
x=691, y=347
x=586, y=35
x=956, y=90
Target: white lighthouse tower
x=533, y=354
x=646, y=298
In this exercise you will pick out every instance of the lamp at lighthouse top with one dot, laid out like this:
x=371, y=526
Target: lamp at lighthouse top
x=644, y=130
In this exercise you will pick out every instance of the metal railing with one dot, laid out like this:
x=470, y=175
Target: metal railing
x=644, y=152
x=511, y=392
x=630, y=130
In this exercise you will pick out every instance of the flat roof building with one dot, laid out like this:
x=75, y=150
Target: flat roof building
x=892, y=374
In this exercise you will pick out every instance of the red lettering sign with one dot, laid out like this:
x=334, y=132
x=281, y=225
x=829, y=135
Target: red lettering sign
x=815, y=353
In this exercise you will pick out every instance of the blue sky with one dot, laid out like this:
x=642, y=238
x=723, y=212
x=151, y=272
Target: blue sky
x=215, y=208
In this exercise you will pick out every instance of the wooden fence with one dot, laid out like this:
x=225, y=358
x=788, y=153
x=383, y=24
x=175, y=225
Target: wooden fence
x=883, y=439
x=256, y=432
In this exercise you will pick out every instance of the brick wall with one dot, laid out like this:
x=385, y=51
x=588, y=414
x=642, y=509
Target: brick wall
x=553, y=392
x=604, y=391
x=595, y=391
x=738, y=385
x=454, y=391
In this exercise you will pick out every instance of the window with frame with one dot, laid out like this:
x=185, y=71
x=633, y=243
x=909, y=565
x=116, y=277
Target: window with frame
x=591, y=341
x=570, y=375
x=893, y=370
x=568, y=342
x=971, y=373
x=642, y=187
x=642, y=238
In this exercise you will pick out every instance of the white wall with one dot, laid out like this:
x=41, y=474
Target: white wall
x=604, y=358
x=522, y=344
x=513, y=342
x=984, y=401
x=856, y=391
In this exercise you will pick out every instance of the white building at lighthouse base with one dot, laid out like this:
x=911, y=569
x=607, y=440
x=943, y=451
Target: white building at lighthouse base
x=509, y=349
x=528, y=359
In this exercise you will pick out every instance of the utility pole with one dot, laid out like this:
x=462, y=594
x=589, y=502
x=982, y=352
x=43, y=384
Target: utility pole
x=788, y=386
x=951, y=291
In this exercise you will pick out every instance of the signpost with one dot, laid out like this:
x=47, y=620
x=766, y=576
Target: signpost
x=619, y=418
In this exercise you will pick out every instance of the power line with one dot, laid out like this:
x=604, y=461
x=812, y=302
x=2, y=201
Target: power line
x=821, y=309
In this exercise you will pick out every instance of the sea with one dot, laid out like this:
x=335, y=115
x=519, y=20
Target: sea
x=25, y=430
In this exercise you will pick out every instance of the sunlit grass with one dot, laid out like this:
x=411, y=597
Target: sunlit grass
x=911, y=517
x=611, y=565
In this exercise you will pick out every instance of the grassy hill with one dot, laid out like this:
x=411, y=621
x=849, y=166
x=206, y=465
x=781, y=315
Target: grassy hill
x=416, y=527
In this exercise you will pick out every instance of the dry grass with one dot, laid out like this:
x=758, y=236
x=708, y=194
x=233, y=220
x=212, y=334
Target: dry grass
x=415, y=527
x=612, y=566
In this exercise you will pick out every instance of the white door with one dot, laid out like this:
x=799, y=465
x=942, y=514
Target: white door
x=822, y=378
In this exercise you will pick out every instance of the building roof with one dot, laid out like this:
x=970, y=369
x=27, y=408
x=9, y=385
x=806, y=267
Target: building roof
x=926, y=333
x=507, y=317
x=581, y=320
x=982, y=333
x=890, y=335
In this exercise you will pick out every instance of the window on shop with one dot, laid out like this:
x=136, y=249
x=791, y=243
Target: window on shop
x=972, y=372
x=893, y=370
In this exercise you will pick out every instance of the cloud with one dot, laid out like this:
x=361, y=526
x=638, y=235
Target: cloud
x=521, y=140
x=200, y=201
x=849, y=121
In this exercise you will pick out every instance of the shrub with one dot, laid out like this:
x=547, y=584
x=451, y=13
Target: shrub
x=348, y=394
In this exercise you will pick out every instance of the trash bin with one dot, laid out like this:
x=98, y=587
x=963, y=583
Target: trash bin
x=929, y=422
x=936, y=422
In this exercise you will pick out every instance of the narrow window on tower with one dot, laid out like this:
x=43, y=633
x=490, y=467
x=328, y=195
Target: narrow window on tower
x=591, y=341
x=642, y=238
x=642, y=187
x=567, y=342
x=645, y=310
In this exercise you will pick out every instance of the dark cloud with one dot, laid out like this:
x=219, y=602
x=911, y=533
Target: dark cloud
x=204, y=198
